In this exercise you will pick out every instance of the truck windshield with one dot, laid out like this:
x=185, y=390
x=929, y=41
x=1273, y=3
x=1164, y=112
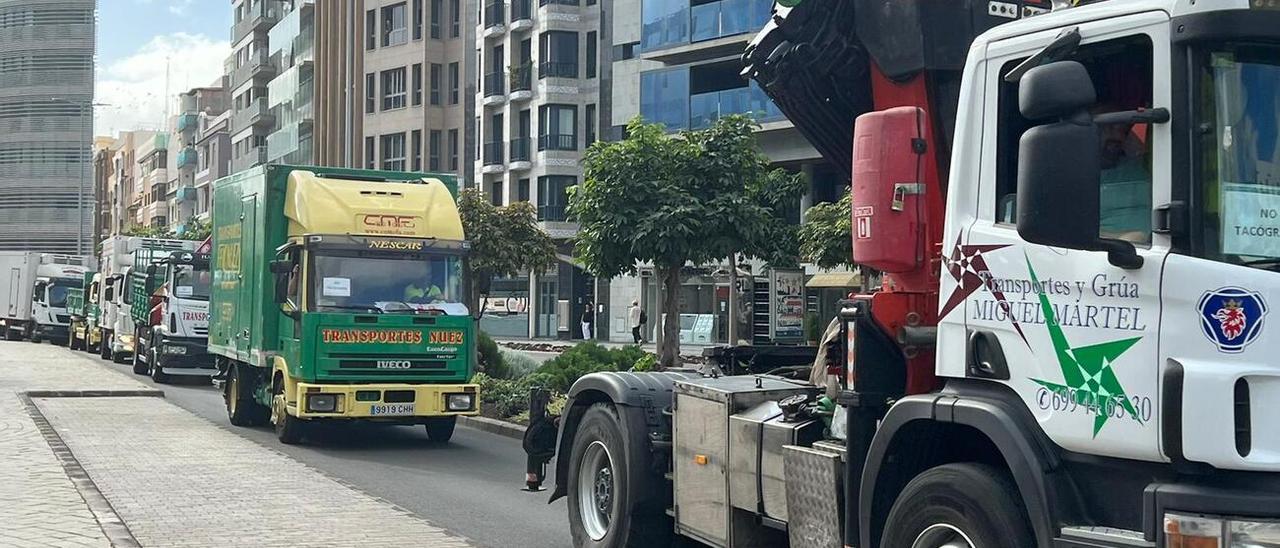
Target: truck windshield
x=57, y=293
x=189, y=283
x=388, y=284
x=1240, y=152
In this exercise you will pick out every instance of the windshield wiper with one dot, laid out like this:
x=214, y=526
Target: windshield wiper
x=1269, y=261
x=364, y=307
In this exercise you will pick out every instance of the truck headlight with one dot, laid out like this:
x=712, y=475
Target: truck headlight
x=1193, y=531
x=126, y=339
x=322, y=403
x=459, y=402
x=179, y=350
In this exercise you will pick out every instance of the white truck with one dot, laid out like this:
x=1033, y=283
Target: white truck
x=115, y=326
x=169, y=301
x=33, y=294
x=1076, y=214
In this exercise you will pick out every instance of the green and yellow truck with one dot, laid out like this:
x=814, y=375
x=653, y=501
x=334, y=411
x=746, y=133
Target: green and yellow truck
x=82, y=306
x=338, y=295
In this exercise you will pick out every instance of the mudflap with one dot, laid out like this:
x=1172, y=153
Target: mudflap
x=815, y=497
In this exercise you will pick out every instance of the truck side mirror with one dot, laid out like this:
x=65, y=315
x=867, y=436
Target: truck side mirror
x=1059, y=164
x=281, y=287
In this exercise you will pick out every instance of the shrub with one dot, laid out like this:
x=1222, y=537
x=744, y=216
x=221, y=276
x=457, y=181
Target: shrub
x=508, y=398
x=503, y=397
x=492, y=362
x=519, y=365
x=648, y=362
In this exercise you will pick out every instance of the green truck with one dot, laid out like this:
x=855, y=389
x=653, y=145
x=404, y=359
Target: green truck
x=338, y=295
x=83, y=309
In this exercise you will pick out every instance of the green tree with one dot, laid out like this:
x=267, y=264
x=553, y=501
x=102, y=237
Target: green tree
x=694, y=198
x=826, y=237
x=197, y=229
x=505, y=241
x=148, y=231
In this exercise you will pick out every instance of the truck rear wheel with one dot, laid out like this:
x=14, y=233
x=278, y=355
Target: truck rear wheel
x=237, y=393
x=602, y=513
x=139, y=362
x=289, y=429
x=962, y=505
x=440, y=429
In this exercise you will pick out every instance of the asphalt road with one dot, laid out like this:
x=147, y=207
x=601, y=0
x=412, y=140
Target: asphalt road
x=471, y=486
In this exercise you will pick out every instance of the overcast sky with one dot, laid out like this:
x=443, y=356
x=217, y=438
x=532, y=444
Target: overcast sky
x=139, y=40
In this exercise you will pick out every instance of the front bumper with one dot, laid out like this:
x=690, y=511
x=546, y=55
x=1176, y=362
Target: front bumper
x=1250, y=497
x=185, y=356
x=52, y=331
x=428, y=400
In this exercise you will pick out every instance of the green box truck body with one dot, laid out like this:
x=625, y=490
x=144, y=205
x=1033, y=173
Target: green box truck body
x=337, y=294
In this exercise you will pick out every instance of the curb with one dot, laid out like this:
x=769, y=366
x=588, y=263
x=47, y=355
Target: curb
x=112, y=526
x=493, y=426
x=141, y=393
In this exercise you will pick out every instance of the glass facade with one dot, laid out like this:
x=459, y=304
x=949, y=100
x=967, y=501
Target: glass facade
x=289, y=95
x=665, y=99
x=667, y=23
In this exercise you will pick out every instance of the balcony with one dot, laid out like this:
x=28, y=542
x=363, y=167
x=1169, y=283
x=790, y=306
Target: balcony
x=553, y=213
x=493, y=159
x=557, y=69
x=257, y=65
x=188, y=121
x=256, y=114
x=520, y=153
x=494, y=88
x=521, y=14
x=262, y=16
x=186, y=194
x=521, y=79
x=706, y=108
x=254, y=157
x=557, y=142
x=495, y=19
x=188, y=157
x=558, y=2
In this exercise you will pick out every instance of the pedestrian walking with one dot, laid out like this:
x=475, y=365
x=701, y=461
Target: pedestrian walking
x=587, y=319
x=634, y=315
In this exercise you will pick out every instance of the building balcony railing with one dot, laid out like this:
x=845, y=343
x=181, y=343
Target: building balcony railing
x=260, y=17
x=188, y=157
x=255, y=156
x=494, y=14
x=557, y=69
x=521, y=77
x=558, y=2
x=494, y=84
x=553, y=212
x=521, y=10
x=520, y=149
x=557, y=142
x=493, y=154
x=188, y=120
x=187, y=194
x=706, y=108
x=257, y=113
x=259, y=64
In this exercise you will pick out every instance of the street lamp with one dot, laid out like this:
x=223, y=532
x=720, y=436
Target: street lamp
x=88, y=137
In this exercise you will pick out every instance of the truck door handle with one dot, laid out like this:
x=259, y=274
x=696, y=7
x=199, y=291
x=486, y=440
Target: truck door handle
x=244, y=334
x=986, y=357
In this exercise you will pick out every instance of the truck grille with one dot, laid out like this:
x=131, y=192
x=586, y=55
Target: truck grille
x=399, y=365
x=63, y=318
x=201, y=331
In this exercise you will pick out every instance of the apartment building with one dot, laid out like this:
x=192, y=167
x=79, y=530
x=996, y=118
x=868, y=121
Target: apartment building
x=541, y=78
x=213, y=158
x=417, y=89
x=249, y=70
x=123, y=181
x=290, y=94
x=196, y=107
x=104, y=154
x=46, y=123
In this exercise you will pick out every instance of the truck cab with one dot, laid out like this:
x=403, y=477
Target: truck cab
x=170, y=308
x=49, y=300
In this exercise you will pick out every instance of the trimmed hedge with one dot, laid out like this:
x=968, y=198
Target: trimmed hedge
x=508, y=398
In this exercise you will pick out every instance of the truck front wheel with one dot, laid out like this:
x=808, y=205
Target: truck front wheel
x=139, y=361
x=104, y=347
x=289, y=429
x=962, y=505
x=440, y=429
x=242, y=409
x=602, y=513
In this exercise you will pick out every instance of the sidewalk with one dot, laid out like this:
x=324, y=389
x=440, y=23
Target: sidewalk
x=171, y=478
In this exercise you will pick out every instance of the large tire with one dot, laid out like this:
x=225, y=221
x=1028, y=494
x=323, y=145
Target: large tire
x=139, y=363
x=602, y=512
x=237, y=393
x=104, y=347
x=289, y=429
x=153, y=365
x=440, y=429
x=962, y=504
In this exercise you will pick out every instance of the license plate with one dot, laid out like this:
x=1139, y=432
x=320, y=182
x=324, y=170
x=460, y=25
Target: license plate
x=391, y=409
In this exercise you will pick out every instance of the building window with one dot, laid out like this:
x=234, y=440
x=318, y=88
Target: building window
x=433, y=151
x=454, y=77
x=435, y=83
x=437, y=8
x=591, y=54
x=369, y=155
x=417, y=19
x=417, y=150
x=393, y=89
x=371, y=29
x=590, y=124
x=559, y=51
x=622, y=52
x=553, y=196
x=558, y=127
x=522, y=190
x=370, y=93
x=393, y=152
x=394, y=29
x=417, y=84
x=455, y=14
x=496, y=193
x=453, y=150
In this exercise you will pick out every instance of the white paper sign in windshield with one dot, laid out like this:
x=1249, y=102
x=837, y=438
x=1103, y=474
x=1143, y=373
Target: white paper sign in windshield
x=182, y=291
x=1251, y=220
x=337, y=287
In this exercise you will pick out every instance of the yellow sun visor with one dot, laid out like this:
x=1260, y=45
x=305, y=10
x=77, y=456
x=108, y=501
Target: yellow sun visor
x=325, y=205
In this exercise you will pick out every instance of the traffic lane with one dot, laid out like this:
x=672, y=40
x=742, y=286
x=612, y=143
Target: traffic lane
x=471, y=486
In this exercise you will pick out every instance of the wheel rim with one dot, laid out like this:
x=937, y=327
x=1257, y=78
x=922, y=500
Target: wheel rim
x=233, y=390
x=595, y=490
x=942, y=535
x=277, y=409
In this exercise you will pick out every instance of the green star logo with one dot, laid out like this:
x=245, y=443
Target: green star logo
x=1086, y=370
